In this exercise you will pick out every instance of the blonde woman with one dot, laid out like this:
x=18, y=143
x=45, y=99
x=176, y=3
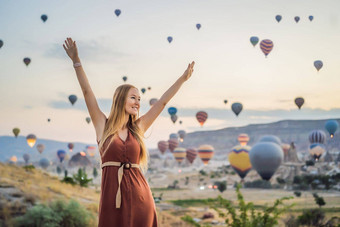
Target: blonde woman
x=126, y=199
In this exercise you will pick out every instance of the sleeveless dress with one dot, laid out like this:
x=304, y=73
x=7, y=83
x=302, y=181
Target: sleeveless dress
x=137, y=205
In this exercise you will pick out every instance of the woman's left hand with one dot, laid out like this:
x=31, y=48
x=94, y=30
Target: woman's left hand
x=187, y=74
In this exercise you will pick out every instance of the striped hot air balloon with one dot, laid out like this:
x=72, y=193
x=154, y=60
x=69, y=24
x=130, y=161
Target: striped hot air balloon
x=243, y=139
x=317, y=136
x=266, y=46
x=173, y=143
x=191, y=154
x=239, y=160
x=179, y=154
x=163, y=146
x=201, y=117
x=205, y=152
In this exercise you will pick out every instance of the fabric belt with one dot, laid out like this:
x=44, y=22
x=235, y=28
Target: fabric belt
x=123, y=165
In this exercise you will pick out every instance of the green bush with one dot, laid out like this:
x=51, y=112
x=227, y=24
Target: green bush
x=297, y=193
x=313, y=217
x=81, y=178
x=247, y=216
x=257, y=184
x=56, y=214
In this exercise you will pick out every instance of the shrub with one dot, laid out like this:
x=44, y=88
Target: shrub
x=81, y=178
x=221, y=185
x=257, y=184
x=57, y=213
x=297, y=193
x=313, y=217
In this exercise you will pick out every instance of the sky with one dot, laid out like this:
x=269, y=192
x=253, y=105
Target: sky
x=135, y=45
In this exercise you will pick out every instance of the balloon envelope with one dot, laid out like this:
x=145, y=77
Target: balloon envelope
x=31, y=139
x=181, y=134
x=299, y=102
x=70, y=146
x=124, y=78
x=198, y=26
x=205, y=152
x=44, y=163
x=173, y=136
x=331, y=126
x=278, y=18
x=237, y=108
x=44, y=18
x=153, y=101
x=266, y=46
x=266, y=157
x=316, y=150
x=318, y=64
x=179, y=153
x=173, y=143
x=88, y=120
x=163, y=146
x=61, y=155
x=172, y=110
x=169, y=39
x=239, y=160
x=201, y=117
x=191, y=154
x=173, y=118
x=16, y=132
x=270, y=138
x=243, y=139
x=118, y=12
x=27, y=61
x=72, y=98
x=310, y=17
x=254, y=40
x=297, y=19
x=1, y=43
x=40, y=148
x=26, y=158
x=143, y=90
x=317, y=136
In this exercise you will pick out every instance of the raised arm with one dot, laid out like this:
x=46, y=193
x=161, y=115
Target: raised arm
x=147, y=119
x=97, y=116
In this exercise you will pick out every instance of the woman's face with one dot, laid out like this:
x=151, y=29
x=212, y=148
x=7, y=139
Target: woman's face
x=132, y=102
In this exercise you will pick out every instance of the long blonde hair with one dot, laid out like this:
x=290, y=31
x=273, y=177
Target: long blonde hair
x=116, y=121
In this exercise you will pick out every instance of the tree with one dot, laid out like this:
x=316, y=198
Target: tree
x=221, y=185
x=95, y=172
x=319, y=200
x=81, y=178
x=58, y=170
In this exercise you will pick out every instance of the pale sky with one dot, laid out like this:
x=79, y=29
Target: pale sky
x=135, y=44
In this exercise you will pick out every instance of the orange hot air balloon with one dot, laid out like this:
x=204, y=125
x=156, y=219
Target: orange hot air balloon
x=243, y=139
x=31, y=139
x=179, y=154
x=201, y=117
x=82, y=153
x=91, y=150
x=13, y=159
x=205, y=152
x=239, y=160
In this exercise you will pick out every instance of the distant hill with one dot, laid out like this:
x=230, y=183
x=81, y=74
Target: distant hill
x=9, y=146
x=288, y=131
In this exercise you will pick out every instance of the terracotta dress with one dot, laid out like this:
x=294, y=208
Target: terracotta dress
x=137, y=205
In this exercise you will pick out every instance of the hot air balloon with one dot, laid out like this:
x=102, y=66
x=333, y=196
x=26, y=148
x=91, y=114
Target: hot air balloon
x=82, y=153
x=163, y=146
x=118, y=12
x=265, y=158
x=299, y=102
x=278, y=18
x=201, y=117
x=180, y=122
x=270, y=138
x=40, y=148
x=266, y=46
x=31, y=138
x=16, y=132
x=173, y=143
x=172, y=110
x=243, y=139
x=237, y=108
x=44, y=18
x=173, y=136
x=310, y=17
x=61, y=155
x=179, y=153
x=44, y=163
x=153, y=101
x=91, y=150
x=173, y=118
x=181, y=134
x=254, y=40
x=169, y=39
x=191, y=154
x=225, y=101
x=149, y=88
x=27, y=61
x=48, y=120
x=13, y=159
x=26, y=158
x=297, y=19
x=317, y=136
x=1, y=43
x=205, y=152
x=88, y=120
x=70, y=146
x=239, y=160
x=318, y=65
x=143, y=90
x=124, y=78
x=198, y=26
x=331, y=126
x=316, y=150
x=72, y=98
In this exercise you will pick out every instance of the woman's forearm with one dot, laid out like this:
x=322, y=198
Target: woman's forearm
x=82, y=78
x=172, y=91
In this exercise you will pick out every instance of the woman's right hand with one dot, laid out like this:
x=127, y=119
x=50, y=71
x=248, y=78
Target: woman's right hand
x=71, y=49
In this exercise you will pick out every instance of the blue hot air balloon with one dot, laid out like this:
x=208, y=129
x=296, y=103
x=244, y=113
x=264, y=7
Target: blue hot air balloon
x=61, y=155
x=72, y=98
x=124, y=78
x=143, y=90
x=44, y=163
x=44, y=18
x=118, y=12
x=270, y=138
x=278, y=18
x=331, y=126
x=254, y=40
x=297, y=19
x=318, y=65
x=310, y=17
x=265, y=158
x=1, y=43
x=172, y=110
x=173, y=136
x=169, y=39
x=198, y=26
x=237, y=108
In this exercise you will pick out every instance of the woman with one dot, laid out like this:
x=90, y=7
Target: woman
x=126, y=198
